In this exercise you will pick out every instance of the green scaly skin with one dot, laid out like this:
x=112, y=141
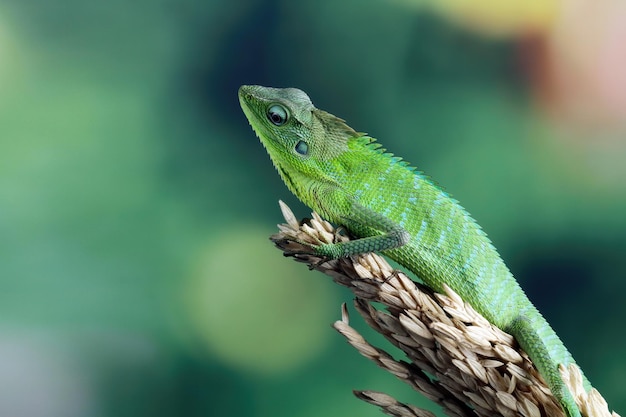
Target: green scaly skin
x=392, y=208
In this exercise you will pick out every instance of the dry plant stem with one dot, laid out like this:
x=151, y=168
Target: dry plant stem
x=456, y=357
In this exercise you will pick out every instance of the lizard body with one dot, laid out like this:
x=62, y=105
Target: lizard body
x=390, y=207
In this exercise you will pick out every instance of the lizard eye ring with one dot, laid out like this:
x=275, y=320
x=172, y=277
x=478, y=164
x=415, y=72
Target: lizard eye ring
x=277, y=114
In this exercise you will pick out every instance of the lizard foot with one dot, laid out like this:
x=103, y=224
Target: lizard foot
x=301, y=251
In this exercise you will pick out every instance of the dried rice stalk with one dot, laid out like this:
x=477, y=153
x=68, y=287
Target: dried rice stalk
x=456, y=357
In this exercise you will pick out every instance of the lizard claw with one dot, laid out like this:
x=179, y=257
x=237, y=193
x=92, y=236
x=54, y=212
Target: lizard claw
x=301, y=252
x=317, y=264
x=307, y=257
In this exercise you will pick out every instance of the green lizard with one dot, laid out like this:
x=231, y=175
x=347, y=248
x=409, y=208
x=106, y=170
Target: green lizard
x=390, y=207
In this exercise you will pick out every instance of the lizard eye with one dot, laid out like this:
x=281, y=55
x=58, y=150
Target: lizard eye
x=277, y=114
x=302, y=148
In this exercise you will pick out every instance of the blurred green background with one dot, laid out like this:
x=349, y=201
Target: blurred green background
x=136, y=278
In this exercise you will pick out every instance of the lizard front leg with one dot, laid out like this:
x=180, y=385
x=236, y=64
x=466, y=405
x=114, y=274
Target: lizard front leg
x=391, y=235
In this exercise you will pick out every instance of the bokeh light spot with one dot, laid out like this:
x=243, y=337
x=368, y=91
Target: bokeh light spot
x=254, y=310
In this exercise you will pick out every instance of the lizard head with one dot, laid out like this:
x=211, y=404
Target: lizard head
x=302, y=141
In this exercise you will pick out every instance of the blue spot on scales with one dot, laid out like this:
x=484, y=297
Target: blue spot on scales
x=422, y=230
